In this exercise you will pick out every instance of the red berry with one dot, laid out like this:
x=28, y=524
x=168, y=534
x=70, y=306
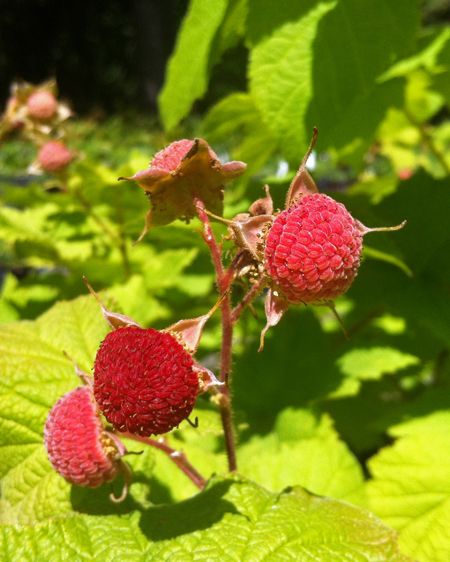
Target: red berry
x=170, y=157
x=144, y=381
x=42, y=105
x=77, y=446
x=313, y=250
x=54, y=156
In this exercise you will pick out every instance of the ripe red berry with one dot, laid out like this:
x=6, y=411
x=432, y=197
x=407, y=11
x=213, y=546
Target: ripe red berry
x=77, y=446
x=42, y=105
x=144, y=381
x=313, y=250
x=170, y=157
x=54, y=156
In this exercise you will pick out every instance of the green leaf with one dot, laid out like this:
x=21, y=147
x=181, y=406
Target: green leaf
x=241, y=521
x=188, y=67
x=132, y=295
x=280, y=78
x=229, y=521
x=289, y=372
x=427, y=58
x=410, y=489
x=265, y=15
x=376, y=254
x=356, y=42
x=373, y=363
x=237, y=121
x=35, y=373
x=304, y=450
x=322, y=70
x=76, y=537
x=232, y=28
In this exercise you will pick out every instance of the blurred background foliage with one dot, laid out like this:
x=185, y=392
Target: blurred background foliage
x=343, y=418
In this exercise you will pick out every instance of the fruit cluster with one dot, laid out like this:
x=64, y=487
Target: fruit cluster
x=146, y=381
x=36, y=113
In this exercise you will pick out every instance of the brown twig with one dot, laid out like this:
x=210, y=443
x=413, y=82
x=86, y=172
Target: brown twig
x=223, y=280
x=177, y=457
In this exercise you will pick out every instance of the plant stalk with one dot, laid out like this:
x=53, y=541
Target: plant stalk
x=223, y=281
x=177, y=457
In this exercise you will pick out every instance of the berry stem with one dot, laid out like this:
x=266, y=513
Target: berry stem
x=223, y=280
x=251, y=294
x=177, y=457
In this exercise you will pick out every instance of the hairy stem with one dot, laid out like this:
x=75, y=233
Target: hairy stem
x=223, y=280
x=251, y=294
x=177, y=457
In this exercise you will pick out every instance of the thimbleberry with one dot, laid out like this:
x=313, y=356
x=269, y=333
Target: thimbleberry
x=77, y=445
x=42, y=105
x=144, y=380
x=313, y=250
x=54, y=156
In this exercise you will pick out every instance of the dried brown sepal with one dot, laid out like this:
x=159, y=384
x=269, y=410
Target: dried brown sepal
x=189, y=332
x=249, y=233
x=172, y=193
x=263, y=206
x=274, y=306
x=302, y=184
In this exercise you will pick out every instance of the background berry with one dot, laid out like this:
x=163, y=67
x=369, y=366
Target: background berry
x=313, y=250
x=170, y=157
x=42, y=105
x=54, y=156
x=76, y=443
x=144, y=381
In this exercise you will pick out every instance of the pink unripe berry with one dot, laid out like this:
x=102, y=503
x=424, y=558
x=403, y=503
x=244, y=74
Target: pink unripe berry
x=77, y=446
x=313, y=250
x=54, y=156
x=42, y=105
x=144, y=381
x=170, y=157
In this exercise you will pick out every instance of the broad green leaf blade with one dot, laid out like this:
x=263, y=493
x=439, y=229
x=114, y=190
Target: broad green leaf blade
x=322, y=70
x=306, y=451
x=373, y=363
x=410, y=489
x=78, y=538
x=427, y=58
x=281, y=78
x=188, y=68
x=265, y=15
x=241, y=521
x=229, y=521
x=35, y=373
x=236, y=120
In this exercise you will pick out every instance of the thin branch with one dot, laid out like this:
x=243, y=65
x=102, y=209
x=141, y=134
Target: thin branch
x=223, y=280
x=251, y=294
x=177, y=457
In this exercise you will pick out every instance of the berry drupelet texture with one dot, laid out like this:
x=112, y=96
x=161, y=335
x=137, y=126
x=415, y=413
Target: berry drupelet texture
x=76, y=443
x=313, y=250
x=144, y=381
x=170, y=157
